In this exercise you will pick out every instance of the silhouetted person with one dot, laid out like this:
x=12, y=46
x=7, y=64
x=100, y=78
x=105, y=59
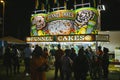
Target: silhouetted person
x=38, y=59
x=16, y=63
x=66, y=65
x=73, y=54
x=99, y=63
x=45, y=51
x=105, y=63
x=27, y=57
x=58, y=66
x=52, y=56
x=8, y=60
x=80, y=65
x=52, y=51
x=46, y=55
x=90, y=56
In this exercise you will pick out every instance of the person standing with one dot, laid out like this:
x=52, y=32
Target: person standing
x=66, y=66
x=38, y=59
x=45, y=52
x=105, y=63
x=16, y=63
x=80, y=65
x=27, y=57
x=90, y=56
x=7, y=61
x=52, y=51
x=52, y=56
x=99, y=55
x=73, y=54
x=47, y=56
x=58, y=65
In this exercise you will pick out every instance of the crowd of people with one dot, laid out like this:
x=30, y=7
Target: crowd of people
x=86, y=62
x=66, y=62
x=11, y=60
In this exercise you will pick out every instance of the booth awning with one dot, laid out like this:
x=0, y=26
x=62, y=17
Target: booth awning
x=13, y=40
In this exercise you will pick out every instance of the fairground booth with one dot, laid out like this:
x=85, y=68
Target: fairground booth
x=69, y=28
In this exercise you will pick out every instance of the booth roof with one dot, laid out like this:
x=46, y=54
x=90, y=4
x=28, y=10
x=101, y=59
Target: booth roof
x=10, y=39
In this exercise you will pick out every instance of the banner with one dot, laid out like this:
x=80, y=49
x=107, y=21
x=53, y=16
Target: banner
x=62, y=38
x=65, y=22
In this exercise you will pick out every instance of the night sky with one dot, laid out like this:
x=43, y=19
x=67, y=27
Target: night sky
x=17, y=18
x=110, y=18
x=18, y=13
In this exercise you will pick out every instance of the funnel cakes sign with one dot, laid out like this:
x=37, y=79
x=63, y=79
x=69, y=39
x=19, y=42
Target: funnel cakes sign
x=62, y=38
x=75, y=38
x=69, y=38
x=65, y=22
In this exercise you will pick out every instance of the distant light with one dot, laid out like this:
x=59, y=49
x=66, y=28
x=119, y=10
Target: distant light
x=101, y=7
x=1, y=1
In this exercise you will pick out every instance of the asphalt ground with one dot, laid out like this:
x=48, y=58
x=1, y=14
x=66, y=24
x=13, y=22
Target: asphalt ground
x=114, y=74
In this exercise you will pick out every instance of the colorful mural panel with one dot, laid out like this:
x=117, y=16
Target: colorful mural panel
x=86, y=21
x=38, y=24
x=65, y=22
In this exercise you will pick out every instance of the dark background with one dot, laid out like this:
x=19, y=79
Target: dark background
x=17, y=18
x=18, y=13
x=110, y=18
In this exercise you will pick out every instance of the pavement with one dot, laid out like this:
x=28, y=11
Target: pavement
x=114, y=74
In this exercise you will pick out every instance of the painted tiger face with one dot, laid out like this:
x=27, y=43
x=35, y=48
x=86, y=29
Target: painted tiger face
x=83, y=17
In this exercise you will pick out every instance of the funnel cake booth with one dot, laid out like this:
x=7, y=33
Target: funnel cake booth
x=70, y=28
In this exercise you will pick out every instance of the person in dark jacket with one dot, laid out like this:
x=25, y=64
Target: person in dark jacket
x=16, y=62
x=99, y=54
x=91, y=61
x=66, y=65
x=105, y=63
x=73, y=54
x=80, y=65
x=58, y=64
x=27, y=57
x=8, y=61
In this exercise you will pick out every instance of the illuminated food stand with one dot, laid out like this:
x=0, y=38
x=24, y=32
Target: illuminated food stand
x=71, y=28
